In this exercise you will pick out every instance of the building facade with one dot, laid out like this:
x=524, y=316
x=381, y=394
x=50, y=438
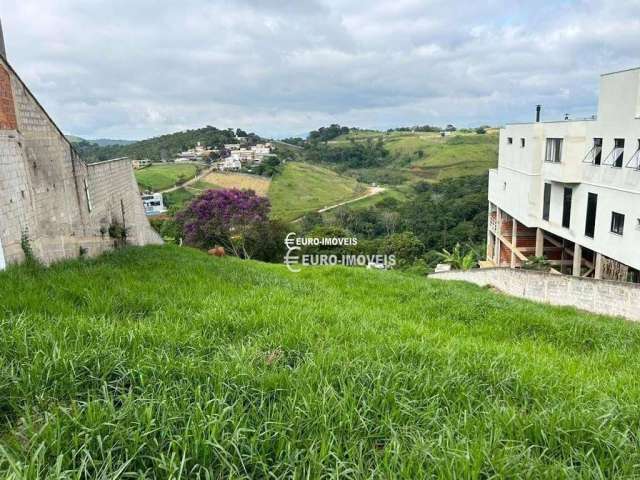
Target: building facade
x=50, y=198
x=569, y=190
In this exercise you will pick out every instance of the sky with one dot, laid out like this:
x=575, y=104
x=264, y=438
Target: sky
x=139, y=68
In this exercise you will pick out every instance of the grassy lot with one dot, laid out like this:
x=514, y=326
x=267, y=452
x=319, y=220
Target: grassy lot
x=221, y=368
x=302, y=188
x=180, y=197
x=162, y=177
x=242, y=181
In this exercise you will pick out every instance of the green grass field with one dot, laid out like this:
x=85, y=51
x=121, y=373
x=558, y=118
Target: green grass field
x=164, y=362
x=426, y=156
x=180, y=197
x=162, y=177
x=302, y=188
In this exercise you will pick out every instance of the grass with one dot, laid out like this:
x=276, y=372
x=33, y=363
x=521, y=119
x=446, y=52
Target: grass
x=456, y=156
x=426, y=156
x=164, y=362
x=163, y=177
x=302, y=188
x=242, y=181
x=180, y=197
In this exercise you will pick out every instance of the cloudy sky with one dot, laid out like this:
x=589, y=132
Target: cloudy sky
x=137, y=68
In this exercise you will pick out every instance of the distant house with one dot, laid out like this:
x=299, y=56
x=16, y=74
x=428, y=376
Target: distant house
x=232, y=146
x=138, y=164
x=153, y=204
x=230, y=164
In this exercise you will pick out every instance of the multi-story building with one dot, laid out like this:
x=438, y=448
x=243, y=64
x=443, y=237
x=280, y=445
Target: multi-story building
x=569, y=190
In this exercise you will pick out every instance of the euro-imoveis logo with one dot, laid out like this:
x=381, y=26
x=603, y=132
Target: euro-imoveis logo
x=294, y=259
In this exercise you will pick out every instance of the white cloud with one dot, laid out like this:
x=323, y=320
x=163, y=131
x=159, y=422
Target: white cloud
x=135, y=69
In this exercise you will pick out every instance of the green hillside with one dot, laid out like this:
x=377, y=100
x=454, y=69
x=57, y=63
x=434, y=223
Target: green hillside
x=164, y=147
x=301, y=188
x=162, y=177
x=422, y=156
x=164, y=362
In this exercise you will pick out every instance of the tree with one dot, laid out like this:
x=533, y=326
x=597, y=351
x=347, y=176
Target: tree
x=231, y=218
x=405, y=246
x=459, y=260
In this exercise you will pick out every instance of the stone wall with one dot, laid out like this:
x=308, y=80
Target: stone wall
x=597, y=296
x=49, y=194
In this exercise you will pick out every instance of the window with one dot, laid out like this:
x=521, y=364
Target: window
x=522, y=142
x=592, y=207
x=597, y=151
x=618, y=153
x=566, y=211
x=617, y=223
x=547, y=202
x=554, y=150
x=510, y=140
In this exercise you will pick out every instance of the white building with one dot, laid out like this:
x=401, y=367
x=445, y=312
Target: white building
x=570, y=190
x=194, y=154
x=229, y=164
x=138, y=164
x=153, y=204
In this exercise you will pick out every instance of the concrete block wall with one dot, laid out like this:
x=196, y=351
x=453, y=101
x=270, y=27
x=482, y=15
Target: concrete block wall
x=46, y=187
x=597, y=296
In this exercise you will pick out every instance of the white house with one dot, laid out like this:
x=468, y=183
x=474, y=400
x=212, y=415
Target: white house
x=570, y=190
x=153, y=204
x=229, y=164
x=138, y=164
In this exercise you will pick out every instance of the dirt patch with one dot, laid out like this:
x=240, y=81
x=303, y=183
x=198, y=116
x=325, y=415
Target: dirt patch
x=241, y=181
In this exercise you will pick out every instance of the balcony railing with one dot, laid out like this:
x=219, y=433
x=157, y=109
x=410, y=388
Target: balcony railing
x=493, y=223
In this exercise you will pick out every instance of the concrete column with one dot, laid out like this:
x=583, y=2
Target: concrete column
x=539, y=242
x=496, y=253
x=489, y=234
x=598, y=271
x=577, y=260
x=514, y=241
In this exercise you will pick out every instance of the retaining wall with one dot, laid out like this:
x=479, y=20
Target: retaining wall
x=48, y=193
x=597, y=296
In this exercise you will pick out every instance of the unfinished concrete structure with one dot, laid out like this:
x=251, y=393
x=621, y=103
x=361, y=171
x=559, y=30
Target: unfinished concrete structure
x=51, y=201
x=570, y=190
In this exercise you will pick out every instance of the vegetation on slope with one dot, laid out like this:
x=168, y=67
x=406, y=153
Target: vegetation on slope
x=301, y=188
x=164, y=147
x=164, y=176
x=220, y=368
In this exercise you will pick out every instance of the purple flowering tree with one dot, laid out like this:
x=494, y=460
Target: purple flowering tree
x=231, y=218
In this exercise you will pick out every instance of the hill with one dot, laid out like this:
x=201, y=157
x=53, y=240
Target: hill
x=158, y=148
x=101, y=142
x=426, y=156
x=164, y=362
x=302, y=188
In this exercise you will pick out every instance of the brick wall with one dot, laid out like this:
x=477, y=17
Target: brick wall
x=7, y=107
x=597, y=296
